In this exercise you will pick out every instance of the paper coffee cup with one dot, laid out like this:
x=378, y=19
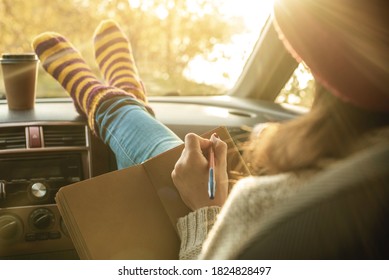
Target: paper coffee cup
x=20, y=73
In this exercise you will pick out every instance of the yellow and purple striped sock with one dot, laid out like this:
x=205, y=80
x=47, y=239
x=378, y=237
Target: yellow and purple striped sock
x=114, y=56
x=65, y=64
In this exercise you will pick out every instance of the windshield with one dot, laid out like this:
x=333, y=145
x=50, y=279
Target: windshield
x=181, y=47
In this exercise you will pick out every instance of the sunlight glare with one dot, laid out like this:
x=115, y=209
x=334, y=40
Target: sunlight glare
x=134, y=3
x=217, y=112
x=231, y=57
x=161, y=12
x=225, y=62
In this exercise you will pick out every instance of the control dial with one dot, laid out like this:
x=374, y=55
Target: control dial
x=38, y=190
x=11, y=227
x=42, y=218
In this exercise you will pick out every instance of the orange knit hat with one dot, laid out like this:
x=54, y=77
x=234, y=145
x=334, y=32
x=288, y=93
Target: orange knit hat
x=345, y=43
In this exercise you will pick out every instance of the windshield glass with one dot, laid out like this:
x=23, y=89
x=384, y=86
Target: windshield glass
x=181, y=47
x=300, y=89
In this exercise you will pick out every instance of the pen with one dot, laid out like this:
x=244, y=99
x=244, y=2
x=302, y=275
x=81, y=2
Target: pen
x=211, y=178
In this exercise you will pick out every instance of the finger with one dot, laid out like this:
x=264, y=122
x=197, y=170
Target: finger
x=193, y=142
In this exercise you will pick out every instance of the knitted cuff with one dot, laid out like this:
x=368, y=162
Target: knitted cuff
x=193, y=230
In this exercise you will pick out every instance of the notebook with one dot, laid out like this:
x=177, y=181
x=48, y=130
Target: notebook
x=132, y=213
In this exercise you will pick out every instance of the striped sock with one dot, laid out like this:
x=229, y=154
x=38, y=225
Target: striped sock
x=65, y=64
x=113, y=54
x=114, y=57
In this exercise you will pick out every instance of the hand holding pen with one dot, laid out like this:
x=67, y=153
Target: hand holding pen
x=191, y=173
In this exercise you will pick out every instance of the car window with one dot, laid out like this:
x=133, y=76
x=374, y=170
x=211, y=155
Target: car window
x=299, y=90
x=174, y=41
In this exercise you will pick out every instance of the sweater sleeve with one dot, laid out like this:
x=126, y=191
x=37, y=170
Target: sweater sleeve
x=193, y=230
x=250, y=200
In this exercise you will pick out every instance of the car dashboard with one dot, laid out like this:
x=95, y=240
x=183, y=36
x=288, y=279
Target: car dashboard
x=44, y=149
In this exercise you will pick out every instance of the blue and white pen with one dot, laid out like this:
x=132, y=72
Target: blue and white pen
x=211, y=178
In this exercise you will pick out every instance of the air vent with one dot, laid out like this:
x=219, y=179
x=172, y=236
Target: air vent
x=12, y=138
x=64, y=136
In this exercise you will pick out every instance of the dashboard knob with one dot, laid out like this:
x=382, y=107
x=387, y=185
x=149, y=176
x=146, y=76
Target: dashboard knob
x=38, y=190
x=10, y=227
x=42, y=218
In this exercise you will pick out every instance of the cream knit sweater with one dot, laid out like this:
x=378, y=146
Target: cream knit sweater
x=215, y=233
x=220, y=233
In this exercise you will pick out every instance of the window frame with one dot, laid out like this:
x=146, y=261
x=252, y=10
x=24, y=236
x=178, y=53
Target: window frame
x=267, y=70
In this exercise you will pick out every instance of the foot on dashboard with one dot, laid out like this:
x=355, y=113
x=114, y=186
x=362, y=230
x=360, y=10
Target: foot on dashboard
x=65, y=64
x=114, y=56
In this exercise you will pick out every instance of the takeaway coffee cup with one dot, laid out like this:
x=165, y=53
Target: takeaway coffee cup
x=20, y=72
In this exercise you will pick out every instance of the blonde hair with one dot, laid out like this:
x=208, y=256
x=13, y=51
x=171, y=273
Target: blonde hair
x=328, y=131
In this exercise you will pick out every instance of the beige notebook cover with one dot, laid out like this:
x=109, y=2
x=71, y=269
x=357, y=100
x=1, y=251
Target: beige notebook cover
x=132, y=213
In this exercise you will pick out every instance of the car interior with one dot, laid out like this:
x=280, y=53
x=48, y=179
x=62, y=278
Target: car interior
x=51, y=146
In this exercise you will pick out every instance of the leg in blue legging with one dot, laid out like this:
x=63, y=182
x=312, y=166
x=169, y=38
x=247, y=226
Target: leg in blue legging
x=131, y=132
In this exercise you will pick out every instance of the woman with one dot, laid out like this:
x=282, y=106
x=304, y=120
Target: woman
x=344, y=42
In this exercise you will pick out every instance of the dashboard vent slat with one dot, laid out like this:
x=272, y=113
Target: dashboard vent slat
x=12, y=138
x=64, y=136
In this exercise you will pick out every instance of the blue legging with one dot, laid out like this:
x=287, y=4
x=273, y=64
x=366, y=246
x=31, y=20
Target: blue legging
x=131, y=132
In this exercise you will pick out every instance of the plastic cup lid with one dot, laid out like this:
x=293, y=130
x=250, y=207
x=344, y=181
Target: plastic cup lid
x=13, y=57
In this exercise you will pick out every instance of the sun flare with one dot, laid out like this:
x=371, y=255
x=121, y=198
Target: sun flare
x=231, y=57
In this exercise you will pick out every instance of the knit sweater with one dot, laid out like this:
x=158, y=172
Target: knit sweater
x=217, y=233
x=220, y=233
